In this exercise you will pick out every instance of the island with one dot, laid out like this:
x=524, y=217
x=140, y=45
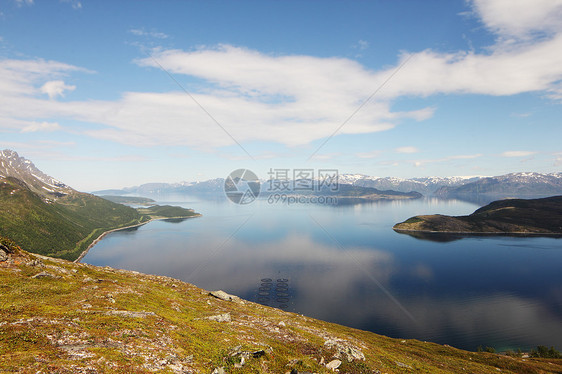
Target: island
x=508, y=217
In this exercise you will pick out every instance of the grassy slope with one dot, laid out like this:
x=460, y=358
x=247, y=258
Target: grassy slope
x=90, y=319
x=503, y=216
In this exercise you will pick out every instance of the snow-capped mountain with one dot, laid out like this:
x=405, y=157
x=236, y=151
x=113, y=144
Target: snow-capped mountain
x=425, y=186
x=12, y=165
x=509, y=185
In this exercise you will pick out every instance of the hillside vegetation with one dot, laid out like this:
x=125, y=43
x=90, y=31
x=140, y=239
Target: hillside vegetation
x=511, y=216
x=65, y=227
x=62, y=317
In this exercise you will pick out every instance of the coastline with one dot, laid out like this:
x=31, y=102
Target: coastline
x=483, y=233
x=103, y=234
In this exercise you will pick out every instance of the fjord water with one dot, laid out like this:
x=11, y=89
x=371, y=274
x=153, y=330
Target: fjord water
x=345, y=264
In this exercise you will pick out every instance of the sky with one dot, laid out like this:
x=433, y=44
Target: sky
x=108, y=94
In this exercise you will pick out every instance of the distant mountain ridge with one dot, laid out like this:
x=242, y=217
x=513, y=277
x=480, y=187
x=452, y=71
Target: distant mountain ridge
x=523, y=184
x=509, y=185
x=426, y=185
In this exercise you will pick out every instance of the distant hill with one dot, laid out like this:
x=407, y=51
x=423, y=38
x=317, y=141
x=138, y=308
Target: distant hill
x=46, y=216
x=212, y=186
x=510, y=216
x=215, y=187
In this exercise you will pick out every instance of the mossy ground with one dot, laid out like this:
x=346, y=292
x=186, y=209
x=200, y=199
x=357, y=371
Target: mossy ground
x=85, y=319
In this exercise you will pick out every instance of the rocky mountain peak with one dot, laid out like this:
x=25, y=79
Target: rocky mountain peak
x=15, y=166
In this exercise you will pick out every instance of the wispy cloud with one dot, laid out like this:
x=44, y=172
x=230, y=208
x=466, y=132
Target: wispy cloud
x=24, y=2
x=76, y=4
x=419, y=163
x=522, y=115
x=406, y=150
x=41, y=126
x=518, y=153
x=151, y=34
x=361, y=45
x=371, y=154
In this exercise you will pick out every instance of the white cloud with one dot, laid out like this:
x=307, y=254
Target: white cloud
x=292, y=99
x=406, y=150
x=517, y=153
x=41, y=126
x=520, y=18
x=56, y=88
x=20, y=77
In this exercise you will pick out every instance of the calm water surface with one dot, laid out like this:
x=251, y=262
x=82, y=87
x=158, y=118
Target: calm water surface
x=345, y=264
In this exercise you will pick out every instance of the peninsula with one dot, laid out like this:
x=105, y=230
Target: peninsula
x=510, y=216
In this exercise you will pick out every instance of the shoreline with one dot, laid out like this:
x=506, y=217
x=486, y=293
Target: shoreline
x=103, y=234
x=475, y=233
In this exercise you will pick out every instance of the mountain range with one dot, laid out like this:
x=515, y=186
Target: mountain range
x=483, y=189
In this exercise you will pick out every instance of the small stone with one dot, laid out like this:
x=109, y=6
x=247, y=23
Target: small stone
x=236, y=351
x=3, y=255
x=44, y=274
x=225, y=317
x=402, y=365
x=333, y=365
x=218, y=371
x=226, y=297
x=282, y=324
x=36, y=263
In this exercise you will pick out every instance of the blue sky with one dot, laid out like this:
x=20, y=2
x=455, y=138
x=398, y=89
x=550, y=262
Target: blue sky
x=109, y=94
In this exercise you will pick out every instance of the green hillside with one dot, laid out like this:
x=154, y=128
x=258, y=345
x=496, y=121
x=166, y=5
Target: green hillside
x=63, y=228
